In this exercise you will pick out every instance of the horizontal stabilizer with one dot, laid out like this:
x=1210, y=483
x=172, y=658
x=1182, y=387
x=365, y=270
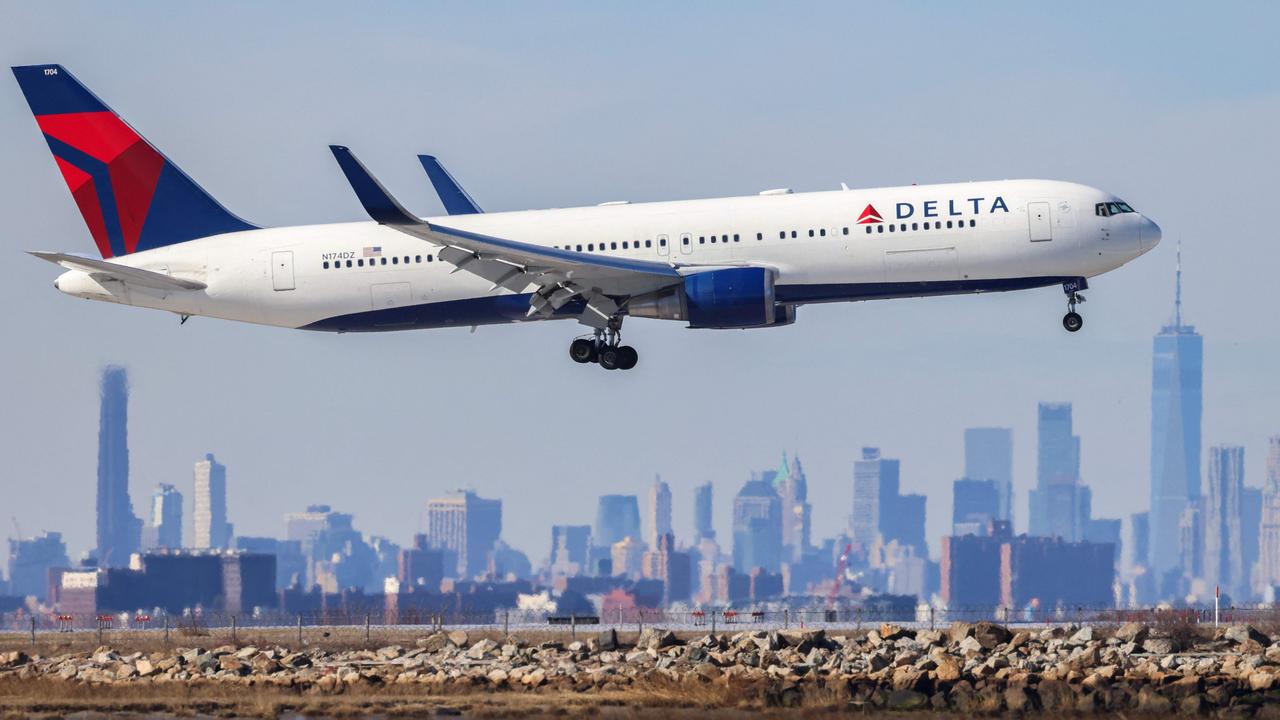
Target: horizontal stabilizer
x=456, y=201
x=123, y=273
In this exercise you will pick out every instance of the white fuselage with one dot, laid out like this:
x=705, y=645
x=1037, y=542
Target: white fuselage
x=982, y=236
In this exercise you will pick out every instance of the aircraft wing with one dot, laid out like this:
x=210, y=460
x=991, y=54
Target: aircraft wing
x=123, y=273
x=555, y=276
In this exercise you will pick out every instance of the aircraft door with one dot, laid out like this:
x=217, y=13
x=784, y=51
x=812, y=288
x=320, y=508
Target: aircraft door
x=663, y=246
x=1038, y=223
x=282, y=270
x=686, y=243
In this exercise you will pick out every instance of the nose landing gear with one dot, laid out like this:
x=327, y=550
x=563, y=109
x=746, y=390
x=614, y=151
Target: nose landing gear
x=605, y=348
x=1072, y=321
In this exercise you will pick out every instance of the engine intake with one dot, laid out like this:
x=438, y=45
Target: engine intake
x=727, y=298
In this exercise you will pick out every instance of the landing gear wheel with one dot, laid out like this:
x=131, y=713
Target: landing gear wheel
x=582, y=350
x=1072, y=321
x=627, y=357
x=609, y=358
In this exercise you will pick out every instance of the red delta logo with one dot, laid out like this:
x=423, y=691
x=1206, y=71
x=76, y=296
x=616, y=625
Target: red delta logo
x=869, y=215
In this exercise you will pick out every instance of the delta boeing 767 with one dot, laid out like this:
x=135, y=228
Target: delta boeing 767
x=739, y=262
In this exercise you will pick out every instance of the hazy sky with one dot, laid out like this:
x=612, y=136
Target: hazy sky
x=1172, y=106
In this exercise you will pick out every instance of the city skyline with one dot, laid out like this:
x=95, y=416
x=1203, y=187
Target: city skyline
x=840, y=375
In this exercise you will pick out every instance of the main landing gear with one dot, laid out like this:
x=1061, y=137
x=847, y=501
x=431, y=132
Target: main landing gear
x=605, y=349
x=1072, y=320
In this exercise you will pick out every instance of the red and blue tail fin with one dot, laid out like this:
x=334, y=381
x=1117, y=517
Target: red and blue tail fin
x=131, y=196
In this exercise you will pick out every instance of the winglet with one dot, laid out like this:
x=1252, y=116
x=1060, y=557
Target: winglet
x=379, y=203
x=456, y=201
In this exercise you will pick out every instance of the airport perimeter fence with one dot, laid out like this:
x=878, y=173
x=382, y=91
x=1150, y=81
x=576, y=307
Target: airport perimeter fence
x=352, y=628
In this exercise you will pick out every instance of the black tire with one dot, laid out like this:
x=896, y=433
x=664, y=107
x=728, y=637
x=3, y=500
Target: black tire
x=627, y=357
x=1072, y=321
x=609, y=358
x=582, y=350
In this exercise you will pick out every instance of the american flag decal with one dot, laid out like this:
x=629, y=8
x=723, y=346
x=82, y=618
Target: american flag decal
x=373, y=251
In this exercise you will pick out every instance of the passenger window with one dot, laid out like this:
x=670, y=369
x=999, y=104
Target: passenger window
x=735, y=237
x=417, y=259
x=948, y=224
x=879, y=228
x=384, y=261
x=591, y=247
x=782, y=234
x=702, y=239
x=395, y=261
x=348, y=263
x=823, y=232
x=811, y=232
x=326, y=264
x=428, y=258
x=759, y=236
x=868, y=229
x=685, y=239
x=724, y=238
x=973, y=223
x=624, y=244
x=846, y=230
x=891, y=228
x=648, y=243
x=902, y=227
x=793, y=233
x=579, y=248
x=613, y=246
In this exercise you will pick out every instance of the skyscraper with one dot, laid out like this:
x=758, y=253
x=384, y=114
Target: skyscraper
x=1223, y=547
x=468, y=525
x=570, y=545
x=793, y=491
x=1176, y=406
x=1269, y=540
x=211, y=527
x=166, y=516
x=660, y=511
x=1059, y=503
x=31, y=559
x=988, y=455
x=119, y=530
x=864, y=520
x=617, y=517
x=702, y=505
x=757, y=525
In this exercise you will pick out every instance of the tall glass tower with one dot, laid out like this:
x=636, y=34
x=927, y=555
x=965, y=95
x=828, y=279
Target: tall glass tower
x=1176, y=405
x=119, y=530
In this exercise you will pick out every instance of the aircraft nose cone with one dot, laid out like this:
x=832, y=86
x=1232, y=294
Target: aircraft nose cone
x=1148, y=233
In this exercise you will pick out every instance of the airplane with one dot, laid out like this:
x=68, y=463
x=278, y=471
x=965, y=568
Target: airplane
x=725, y=263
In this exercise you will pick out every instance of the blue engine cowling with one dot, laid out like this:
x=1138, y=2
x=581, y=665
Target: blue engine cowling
x=730, y=298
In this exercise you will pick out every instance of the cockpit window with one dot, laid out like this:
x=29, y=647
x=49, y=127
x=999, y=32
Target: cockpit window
x=1112, y=208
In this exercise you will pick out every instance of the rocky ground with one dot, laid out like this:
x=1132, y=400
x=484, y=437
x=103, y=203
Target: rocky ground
x=964, y=669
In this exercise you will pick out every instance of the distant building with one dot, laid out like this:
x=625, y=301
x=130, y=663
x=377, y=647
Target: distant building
x=670, y=566
x=793, y=492
x=731, y=586
x=337, y=556
x=659, y=511
x=211, y=527
x=1060, y=504
x=1139, y=539
x=467, y=524
x=1045, y=573
x=119, y=530
x=421, y=567
x=166, y=517
x=1176, y=410
x=702, y=513
x=1223, y=543
x=868, y=474
x=893, y=516
x=970, y=572
x=570, y=549
x=757, y=525
x=628, y=557
x=1269, y=540
x=30, y=561
x=1250, y=539
x=988, y=455
x=617, y=517
x=1191, y=543
x=764, y=585
x=291, y=563
x=175, y=582
x=509, y=564
x=975, y=503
